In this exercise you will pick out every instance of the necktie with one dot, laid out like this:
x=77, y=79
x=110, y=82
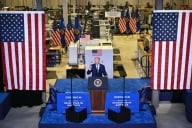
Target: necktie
x=97, y=68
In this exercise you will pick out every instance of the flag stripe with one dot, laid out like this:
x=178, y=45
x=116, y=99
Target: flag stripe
x=132, y=25
x=173, y=65
x=14, y=69
x=166, y=56
x=159, y=64
x=11, y=63
x=177, y=53
x=190, y=56
x=7, y=73
x=189, y=80
x=42, y=62
x=187, y=52
x=122, y=25
x=153, y=67
x=24, y=62
x=69, y=36
x=16, y=63
x=169, y=63
x=33, y=66
x=20, y=63
x=36, y=84
x=30, y=49
x=177, y=81
x=163, y=52
x=56, y=37
x=44, y=54
x=184, y=58
x=72, y=34
x=26, y=53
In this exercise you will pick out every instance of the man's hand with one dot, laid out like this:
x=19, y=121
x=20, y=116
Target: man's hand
x=90, y=67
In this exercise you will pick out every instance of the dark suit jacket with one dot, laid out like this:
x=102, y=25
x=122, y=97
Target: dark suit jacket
x=102, y=72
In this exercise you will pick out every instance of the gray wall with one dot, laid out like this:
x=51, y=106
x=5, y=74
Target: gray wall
x=55, y=3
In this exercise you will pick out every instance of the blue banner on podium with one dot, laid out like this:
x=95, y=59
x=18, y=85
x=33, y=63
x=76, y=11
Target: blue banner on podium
x=80, y=100
x=115, y=99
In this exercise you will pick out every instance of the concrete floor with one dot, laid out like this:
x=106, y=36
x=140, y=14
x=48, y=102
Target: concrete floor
x=169, y=115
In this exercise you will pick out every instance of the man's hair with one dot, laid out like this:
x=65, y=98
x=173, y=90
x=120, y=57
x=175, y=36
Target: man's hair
x=97, y=58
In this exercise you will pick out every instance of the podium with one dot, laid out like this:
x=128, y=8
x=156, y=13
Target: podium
x=97, y=87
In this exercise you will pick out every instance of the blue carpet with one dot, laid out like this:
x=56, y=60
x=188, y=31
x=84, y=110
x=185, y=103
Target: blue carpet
x=114, y=85
x=142, y=119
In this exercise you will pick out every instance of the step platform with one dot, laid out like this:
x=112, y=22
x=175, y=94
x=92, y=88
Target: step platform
x=142, y=119
x=5, y=104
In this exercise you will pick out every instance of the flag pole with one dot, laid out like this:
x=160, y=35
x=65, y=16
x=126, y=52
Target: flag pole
x=155, y=93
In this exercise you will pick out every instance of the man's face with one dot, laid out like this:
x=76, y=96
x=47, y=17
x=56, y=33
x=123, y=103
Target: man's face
x=97, y=60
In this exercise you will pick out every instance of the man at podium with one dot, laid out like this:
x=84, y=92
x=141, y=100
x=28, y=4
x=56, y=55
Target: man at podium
x=97, y=69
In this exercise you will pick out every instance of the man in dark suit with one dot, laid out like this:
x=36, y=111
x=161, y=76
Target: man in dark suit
x=97, y=69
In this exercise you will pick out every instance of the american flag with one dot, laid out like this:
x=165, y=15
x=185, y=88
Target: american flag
x=122, y=25
x=55, y=36
x=97, y=52
x=85, y=38
x=69, y=36
x=132, y=25
x=22, y=37
x=69, y=33
x=172, y=50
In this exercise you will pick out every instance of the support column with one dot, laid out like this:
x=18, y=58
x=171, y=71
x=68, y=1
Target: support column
x=39, y=5
x=158, y=4
x=74, y=5
x=65, y=11
x=155, y=98
x=155, y=93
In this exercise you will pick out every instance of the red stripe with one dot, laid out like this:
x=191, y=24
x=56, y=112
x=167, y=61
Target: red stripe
x=17, y=64
x=56, y=37
x=30, y=52
x=181, y=49
x=159, y=66
x=44, y=51
x=37, y=49
x=152, y=65
x=122, y=25
x=166, y=64
x=132, y=25
x=24, y=66
x=67, y=37
x=72, y=34
x=4, y=65
x=187, y=51
x=173, y=65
